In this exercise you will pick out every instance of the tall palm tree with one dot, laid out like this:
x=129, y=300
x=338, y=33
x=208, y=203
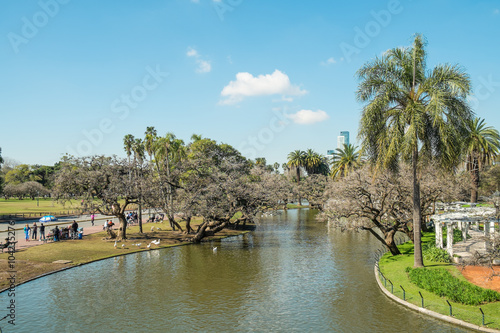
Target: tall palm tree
x=482, y=145
x=296, y=159
x=128, y=141
x=149, y=141
x=345, y=160
x=411, y=114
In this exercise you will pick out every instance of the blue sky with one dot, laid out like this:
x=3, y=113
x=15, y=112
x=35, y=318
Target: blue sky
x=267, y=77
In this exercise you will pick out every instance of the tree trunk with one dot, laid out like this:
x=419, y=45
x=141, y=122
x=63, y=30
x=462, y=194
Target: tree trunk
x=139, y=216
x=391, y=245
x=474, y=173
x=298, y=185
x=173, y=223
x=188, y=225
x=123, y=226
x=417, y=214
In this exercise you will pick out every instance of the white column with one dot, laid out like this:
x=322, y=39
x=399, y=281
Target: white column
x=465, y=230
x=439, y=234
x=492, y=228
x=477, y=225
x=449, y=238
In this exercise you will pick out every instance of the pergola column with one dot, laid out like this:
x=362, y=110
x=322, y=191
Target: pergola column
x=438, y=226
x=465, y=230
x=449, y=238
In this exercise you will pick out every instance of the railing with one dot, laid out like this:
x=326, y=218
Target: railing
x=39, y=214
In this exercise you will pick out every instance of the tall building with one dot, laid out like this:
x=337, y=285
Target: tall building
x=342, y=139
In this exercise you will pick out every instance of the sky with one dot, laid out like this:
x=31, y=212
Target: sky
x=267, y=77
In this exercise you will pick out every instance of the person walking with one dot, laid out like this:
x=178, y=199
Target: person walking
x=92, y=217
x=74, y=229
x=27, y=230
x=42, y=232
x=34, y=231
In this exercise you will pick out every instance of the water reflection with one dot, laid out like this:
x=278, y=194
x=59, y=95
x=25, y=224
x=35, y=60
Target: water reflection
x=291, y=275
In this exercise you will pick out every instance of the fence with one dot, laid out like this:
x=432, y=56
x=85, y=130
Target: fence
x=474, y=315
x=39, y=214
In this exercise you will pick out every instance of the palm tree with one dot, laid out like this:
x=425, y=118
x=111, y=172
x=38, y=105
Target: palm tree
x=149, y=141
x=128, y=141
x=345, y=160
x=296, y=159
x=411, y=114
x=312, y=160
x=138, y=149
x=482, y=145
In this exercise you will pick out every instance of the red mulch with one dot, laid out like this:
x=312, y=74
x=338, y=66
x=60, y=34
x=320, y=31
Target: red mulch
x=483, y=276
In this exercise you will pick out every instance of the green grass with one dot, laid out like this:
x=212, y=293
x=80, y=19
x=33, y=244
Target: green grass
x=394, y=269
x=45, y=205
x=442, y=283
x=294, y=206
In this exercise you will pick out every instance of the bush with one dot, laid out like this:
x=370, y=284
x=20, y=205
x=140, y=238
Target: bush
x=442, y=283
x=432, y=253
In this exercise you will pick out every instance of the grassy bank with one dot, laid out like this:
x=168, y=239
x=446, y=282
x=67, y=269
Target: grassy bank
x=393, y=269
x=34, y=261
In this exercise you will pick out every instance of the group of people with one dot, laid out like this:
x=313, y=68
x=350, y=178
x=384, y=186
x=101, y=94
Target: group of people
x=132, y=217
x=108, y=225
x=33, y=232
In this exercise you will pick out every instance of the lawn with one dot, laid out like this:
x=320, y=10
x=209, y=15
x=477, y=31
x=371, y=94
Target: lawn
x=41, y=206
x=393, y=269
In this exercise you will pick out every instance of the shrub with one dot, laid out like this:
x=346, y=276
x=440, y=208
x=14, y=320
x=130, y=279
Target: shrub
x=442, y=283
x=432, y=253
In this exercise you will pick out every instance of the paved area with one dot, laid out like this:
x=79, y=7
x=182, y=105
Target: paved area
x=83, y=222
x=476, y=243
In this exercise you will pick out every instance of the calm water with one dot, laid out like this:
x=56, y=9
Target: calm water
x=291, y=275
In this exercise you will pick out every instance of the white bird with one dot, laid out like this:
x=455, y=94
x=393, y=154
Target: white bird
x=158, y=228
x=115, y=244
x=156, y=242
x=149, y=245
x=215, y=249
x=138, y=244
x=123, y=245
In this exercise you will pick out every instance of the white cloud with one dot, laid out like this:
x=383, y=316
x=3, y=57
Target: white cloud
x=247, y=85
x=192, y=52
x=306, y=117
x=331, y=61
x=204, y=66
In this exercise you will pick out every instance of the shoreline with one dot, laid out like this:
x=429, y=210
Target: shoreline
x=49, y=269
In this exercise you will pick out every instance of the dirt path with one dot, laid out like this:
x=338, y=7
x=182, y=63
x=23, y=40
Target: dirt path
x=483, y=276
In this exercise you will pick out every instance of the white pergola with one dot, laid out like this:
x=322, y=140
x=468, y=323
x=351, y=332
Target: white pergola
x=464, y=219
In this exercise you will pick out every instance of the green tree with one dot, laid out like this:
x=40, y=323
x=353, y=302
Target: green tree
x=413, y=114
x=345, y=160
x=482, y=145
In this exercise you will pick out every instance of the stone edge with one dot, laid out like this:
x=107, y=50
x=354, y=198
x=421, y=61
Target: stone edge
x=429, y=312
